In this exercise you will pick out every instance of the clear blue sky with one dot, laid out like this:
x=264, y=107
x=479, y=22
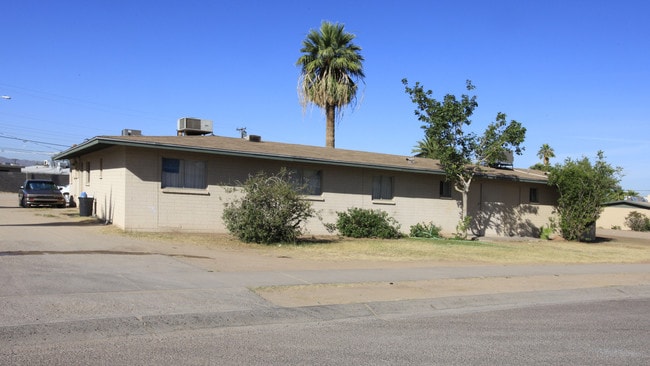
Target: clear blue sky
x=575, y=73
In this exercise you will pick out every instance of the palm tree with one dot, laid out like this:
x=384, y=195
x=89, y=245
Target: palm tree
x=331, y=67
x=546, y=153
x=426, y=148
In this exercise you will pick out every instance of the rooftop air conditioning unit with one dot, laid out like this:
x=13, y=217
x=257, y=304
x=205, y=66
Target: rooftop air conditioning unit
x=130, y=132
x=194, y=126
x=507, y=163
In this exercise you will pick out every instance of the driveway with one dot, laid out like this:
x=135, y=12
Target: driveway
x=63, y=269
x=70, y=284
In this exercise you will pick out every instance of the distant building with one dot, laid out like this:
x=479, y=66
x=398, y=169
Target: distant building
x=10, y=178
x=614, y=213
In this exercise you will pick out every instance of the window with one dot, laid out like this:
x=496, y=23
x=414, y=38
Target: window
x=87, y=173
x=445, y=189
x=101, y=168
x=308, y=181
x=183, y=173
x=532, y=196
x=382, y=187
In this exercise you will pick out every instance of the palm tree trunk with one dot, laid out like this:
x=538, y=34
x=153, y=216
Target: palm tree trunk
x=330, y=111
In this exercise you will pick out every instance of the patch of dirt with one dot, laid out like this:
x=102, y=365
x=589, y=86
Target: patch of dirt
x=622, y=236
x=328, y=294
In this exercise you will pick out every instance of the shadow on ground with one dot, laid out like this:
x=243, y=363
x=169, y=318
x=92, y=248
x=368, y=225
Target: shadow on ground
x=87, y=222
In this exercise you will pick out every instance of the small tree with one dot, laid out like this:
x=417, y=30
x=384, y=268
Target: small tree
x=461, y=153
x=583, y=188
x=271, y=210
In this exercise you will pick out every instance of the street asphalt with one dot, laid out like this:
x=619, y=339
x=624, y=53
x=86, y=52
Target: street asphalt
x=65, y=281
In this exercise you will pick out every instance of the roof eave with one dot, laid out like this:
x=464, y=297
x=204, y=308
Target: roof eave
x=98, y=143
x=102, y=142
x=77, y=149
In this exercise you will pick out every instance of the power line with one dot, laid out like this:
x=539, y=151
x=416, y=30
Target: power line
x=32, y=141
x=57, y=98
x=24, y=151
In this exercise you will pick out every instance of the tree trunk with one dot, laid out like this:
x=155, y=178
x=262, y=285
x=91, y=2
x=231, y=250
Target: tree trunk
x=330, y=112
x=464, y=190
x=464, y=214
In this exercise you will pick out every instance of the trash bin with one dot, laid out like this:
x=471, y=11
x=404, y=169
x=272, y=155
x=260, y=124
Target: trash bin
x=85, y=206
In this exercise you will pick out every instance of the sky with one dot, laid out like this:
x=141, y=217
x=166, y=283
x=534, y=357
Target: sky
x=575, y=73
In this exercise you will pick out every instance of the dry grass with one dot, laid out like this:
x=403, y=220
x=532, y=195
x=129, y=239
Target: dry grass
x=408, y=249
x=475, y=252
x=411, y=250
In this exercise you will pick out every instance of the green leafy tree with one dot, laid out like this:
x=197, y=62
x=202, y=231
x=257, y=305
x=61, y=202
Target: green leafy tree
x=583, y=188
x=620, y=195
x=462, y=154
x=331, y=68
x=539, y=166
x=269, y=211
x=546, y=153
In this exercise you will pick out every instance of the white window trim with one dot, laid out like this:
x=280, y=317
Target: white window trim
x=384, y=202
x=188, y=191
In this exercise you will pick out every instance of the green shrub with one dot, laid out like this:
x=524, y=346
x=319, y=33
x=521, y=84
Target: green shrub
x=546, y=232
x=424, y=230
x=364, y=223
x=462, y=228
x=270, y=211
x=637, y=221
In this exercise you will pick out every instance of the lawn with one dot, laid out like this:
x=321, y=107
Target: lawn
x=507, y=251
x=438, y=250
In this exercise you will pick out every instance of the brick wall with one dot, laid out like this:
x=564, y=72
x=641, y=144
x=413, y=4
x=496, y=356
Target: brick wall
x=126, y=185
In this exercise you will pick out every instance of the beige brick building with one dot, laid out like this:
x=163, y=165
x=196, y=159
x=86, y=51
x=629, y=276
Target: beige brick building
x=179, y=183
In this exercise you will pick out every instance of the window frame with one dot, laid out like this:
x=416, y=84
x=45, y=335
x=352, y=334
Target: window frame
x=383, y=188
x=185, y=178
x=445, y=189
x=87, y=173
x=301, y=181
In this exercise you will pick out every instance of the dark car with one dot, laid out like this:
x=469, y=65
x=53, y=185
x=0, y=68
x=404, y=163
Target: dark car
x=40, y=192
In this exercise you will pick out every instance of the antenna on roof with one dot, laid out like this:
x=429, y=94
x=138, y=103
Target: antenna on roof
x=242, y=131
